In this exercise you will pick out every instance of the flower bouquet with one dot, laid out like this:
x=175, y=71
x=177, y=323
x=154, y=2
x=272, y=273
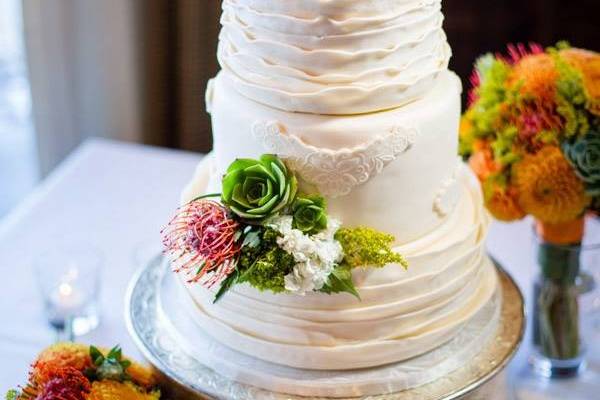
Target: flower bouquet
x=264, y=231
x=72, y=371
x=531, y=134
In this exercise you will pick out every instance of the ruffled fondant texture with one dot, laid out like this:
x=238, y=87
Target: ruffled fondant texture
x=333, y=56
x=402, y=313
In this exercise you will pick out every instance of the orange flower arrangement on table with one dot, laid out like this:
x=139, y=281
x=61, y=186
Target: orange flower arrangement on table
x=532, y=136
x=69, y=371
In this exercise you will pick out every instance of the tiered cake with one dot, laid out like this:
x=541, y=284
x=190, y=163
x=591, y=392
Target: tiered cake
x=357, y=99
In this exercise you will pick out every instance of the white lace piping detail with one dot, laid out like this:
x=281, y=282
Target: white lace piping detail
x=335, y=172
x=449, y=193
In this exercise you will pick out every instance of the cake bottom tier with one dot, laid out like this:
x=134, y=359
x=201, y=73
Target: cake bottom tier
x=401, y=314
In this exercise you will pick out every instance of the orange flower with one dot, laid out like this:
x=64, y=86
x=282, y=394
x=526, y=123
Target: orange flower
x=113, y=390
x=563, y=233
x=141, y=375
x=588, y=63
x=548, y=188
x=502, y=202
x=58, y=356
x=482, y=161
x=536, y=74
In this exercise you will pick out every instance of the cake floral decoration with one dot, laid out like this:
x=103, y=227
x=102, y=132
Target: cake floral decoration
x=266, y=233
x=309, y=214
x=256, y=189
x=204, y=238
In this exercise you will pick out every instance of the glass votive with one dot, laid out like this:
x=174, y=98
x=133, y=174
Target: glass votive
x=68, y=277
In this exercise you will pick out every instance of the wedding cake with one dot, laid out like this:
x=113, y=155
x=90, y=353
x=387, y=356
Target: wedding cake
x=356, y=99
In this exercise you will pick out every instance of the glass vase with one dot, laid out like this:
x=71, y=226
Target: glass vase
x=558, y=348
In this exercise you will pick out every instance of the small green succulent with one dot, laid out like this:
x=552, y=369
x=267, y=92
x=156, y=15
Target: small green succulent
x=309, y=214
x=111, y=366
x=584, y=155
x=258, y=189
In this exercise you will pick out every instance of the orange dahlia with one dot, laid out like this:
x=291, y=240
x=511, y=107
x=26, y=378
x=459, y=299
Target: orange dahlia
x=536, y=76
x=502, y=202
x=482, y=162
x=113, y=390
x=548, y=188
x=141, y=375
x=588, y=63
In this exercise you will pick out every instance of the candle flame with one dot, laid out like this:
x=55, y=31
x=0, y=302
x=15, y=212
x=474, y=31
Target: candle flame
x=65, y=289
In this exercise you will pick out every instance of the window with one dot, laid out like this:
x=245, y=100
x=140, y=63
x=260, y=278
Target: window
x=18, y=160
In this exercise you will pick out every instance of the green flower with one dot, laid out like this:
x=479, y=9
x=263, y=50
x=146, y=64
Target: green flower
x=309, y=214
x=366, y=247
x=584, y=155
x=257, y=189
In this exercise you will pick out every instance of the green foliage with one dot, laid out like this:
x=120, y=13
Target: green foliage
x=265, y=265
x=366, y=247
x=309, y=214
x=112, y=366
x=491, y=93
x=503, y=145
x=262, y=263
x=340, y=281
x=571, y=99
x=12, y=395
x=256, y=189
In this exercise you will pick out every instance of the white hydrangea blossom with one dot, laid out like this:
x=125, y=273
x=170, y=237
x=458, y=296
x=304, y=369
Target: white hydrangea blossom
x=316, y=256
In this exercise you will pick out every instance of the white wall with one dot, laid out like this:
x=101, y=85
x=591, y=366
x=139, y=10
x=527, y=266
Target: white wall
x=83, y=60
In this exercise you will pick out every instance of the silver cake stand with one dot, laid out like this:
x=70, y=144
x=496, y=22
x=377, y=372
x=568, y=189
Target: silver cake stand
x=187, y=378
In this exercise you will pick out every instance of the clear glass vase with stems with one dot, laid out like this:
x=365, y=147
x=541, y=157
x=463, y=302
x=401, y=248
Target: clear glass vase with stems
x=567, y=262
x=557, y=340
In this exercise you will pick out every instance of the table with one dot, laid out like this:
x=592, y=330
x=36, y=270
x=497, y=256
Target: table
x=117, y=196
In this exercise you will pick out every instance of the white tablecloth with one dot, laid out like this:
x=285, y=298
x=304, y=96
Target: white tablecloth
x=117, y=196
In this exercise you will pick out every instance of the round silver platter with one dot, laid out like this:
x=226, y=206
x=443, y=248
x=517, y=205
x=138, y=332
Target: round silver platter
x=187, y=378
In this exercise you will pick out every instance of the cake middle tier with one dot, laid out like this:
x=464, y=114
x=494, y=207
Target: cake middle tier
x=394, y=171
x=333, y=57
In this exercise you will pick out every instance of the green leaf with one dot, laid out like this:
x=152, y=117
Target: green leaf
x=340, y=281
x=12, y=394
x=237, y=235
x=241, y=163
x=96, y=355
x=252, y=239
x=204, y=196
x=227, y=284
x=115, y=353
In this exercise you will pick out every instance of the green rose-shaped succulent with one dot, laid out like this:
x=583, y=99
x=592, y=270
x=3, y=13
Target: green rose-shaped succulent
x=309, y=214
x=257, y=189
x=584, y=154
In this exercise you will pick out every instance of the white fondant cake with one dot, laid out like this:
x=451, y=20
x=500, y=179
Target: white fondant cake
x=357, y=99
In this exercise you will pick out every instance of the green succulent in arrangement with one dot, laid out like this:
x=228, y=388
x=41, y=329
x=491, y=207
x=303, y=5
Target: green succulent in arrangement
x=309, y=214
x=256, y=189
x=112, y=366
x=584, y=154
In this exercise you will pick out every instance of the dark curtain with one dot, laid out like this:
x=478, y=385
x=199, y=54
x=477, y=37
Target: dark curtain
x=475, y=26
x=179, y=39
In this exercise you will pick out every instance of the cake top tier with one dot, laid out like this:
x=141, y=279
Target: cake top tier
x=333, y=56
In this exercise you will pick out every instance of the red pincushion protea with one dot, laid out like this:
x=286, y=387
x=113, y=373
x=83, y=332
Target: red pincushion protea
x=516, y=52
x=202, y=238
x=65, y=383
